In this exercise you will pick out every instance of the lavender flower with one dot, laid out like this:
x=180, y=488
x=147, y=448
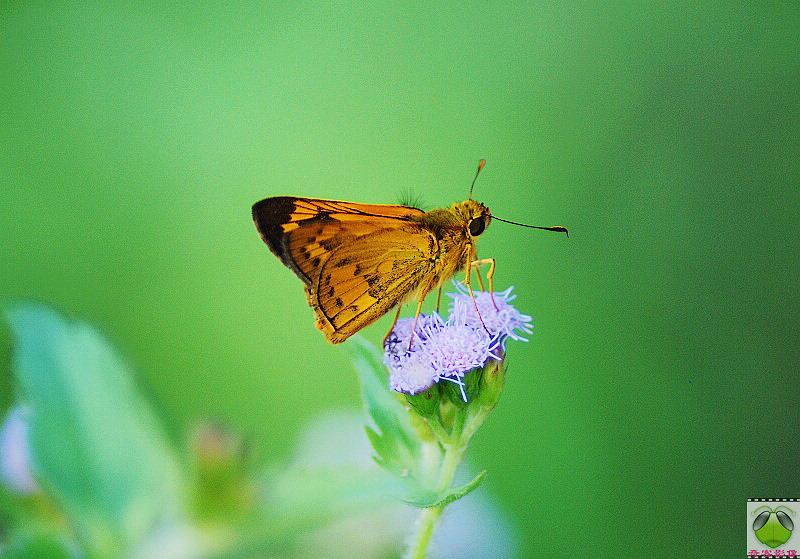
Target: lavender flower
x=15, y=452
x=448, y=350
x=503, y=320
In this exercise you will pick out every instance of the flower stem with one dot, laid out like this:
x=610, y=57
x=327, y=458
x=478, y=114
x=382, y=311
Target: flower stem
x=453, y=456
x=426, y=524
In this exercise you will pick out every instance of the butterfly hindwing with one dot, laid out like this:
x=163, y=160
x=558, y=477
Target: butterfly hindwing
x=364, y=278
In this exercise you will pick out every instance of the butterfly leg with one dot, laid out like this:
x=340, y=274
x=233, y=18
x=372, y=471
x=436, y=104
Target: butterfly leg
x=480, y=279
x=471, y=294
x=438, y=298
x=394, y=323
x=489, y=276
x=416, y=317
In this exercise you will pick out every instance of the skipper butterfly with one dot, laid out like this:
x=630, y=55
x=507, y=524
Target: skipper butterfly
x=358, y=261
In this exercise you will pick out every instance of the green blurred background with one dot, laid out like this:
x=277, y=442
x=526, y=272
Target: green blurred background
x=660, y=388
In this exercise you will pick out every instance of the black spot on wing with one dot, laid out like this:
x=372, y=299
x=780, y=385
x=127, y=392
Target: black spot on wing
x=331, y=243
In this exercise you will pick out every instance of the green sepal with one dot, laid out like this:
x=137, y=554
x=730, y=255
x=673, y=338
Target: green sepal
x=452, y=392
x=428, y=499
x=425, y=403
x=472, y=381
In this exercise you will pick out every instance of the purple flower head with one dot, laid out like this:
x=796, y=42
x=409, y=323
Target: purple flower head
x=502, y=321
x=448, y=350
x=399, y=338
x=410, y=370
x=440, y=350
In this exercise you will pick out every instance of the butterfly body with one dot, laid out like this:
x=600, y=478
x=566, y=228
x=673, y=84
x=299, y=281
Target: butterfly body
x=358, y=261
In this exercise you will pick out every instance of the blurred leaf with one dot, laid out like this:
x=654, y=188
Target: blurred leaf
x=396, y=446
x=35, y=545
x=15, y=453
x=11, y=506
x=96, y=446
x=304, y=504
x=428, y=499
x=316, y=495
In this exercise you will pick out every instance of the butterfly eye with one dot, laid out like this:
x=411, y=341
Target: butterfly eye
x=760, y=520
x=477, y=226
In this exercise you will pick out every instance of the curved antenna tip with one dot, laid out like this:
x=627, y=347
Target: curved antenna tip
x=478, y=172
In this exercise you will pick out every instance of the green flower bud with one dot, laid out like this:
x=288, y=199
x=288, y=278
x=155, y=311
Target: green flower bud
x=222, y=484
x=491, y=383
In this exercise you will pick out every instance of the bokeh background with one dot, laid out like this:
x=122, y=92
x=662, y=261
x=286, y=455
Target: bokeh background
x=660, y=388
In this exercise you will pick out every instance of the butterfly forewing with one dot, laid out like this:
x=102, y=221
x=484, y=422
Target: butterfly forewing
x=303, y=231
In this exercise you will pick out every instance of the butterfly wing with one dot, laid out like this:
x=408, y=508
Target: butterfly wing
x=356, y=260
x=363, y=279
x=302, y=232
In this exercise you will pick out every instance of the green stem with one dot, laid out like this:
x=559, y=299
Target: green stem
x=426, y=523
x=453, y=456
x=438, y=430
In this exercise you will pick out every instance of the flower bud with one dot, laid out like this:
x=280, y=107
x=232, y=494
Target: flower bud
x=491, y=383
x=222, y=479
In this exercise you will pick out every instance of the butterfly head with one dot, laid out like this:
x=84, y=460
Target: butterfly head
x=474, y=215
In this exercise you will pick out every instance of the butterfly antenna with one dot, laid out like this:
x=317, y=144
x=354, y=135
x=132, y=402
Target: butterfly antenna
x=556, y=228
x=478, y=172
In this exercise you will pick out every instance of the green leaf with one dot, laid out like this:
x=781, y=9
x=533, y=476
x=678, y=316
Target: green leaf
x=395, y=443
x=96, y=446
x=427, y=499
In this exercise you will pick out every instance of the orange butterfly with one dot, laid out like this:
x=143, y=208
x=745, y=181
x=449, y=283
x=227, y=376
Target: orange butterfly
x=358, y=261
